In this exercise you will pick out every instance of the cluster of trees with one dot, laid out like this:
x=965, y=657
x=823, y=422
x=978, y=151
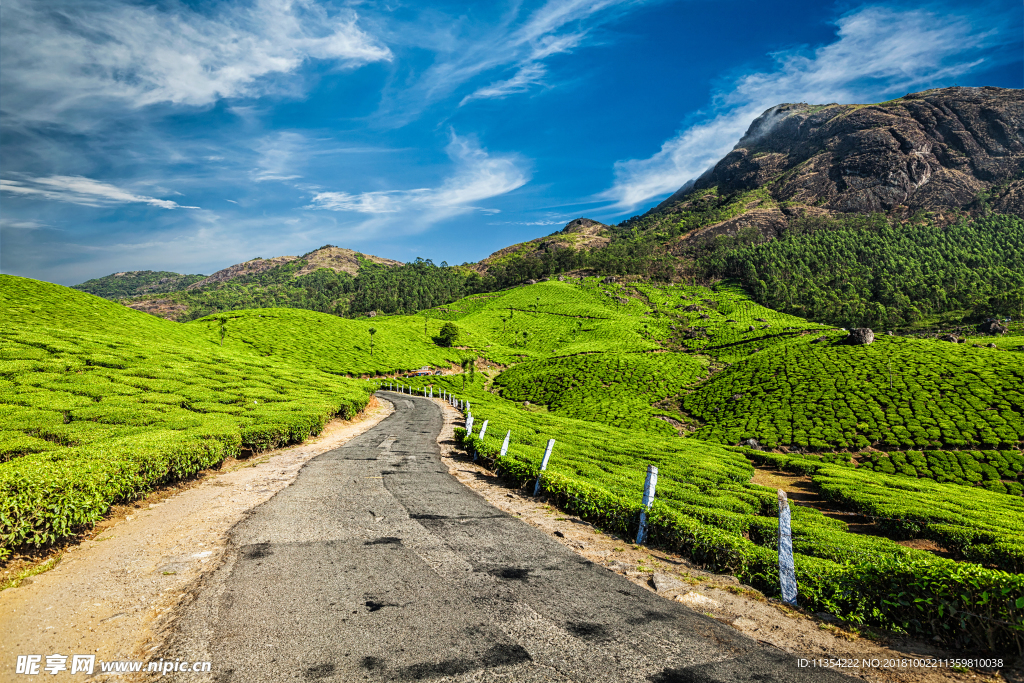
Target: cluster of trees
x=874, y=272
x=631, y=255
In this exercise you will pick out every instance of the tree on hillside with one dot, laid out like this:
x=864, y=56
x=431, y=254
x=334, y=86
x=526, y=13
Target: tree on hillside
x=372, y=332
x=448, y=335
x=468, y=367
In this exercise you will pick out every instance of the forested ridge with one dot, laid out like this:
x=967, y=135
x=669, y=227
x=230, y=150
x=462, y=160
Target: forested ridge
x=872, y=271
x=854, y=270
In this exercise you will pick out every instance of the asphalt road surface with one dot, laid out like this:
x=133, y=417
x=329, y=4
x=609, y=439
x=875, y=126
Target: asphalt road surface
x=377, y=565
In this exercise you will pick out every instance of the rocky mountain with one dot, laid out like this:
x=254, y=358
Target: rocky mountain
x=943, y=151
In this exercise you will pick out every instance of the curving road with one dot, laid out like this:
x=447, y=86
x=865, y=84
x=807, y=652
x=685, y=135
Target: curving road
x=377, y=565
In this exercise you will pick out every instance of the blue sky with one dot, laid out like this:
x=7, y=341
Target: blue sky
x=192, y=135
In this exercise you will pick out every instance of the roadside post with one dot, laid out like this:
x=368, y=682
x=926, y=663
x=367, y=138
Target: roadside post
x=787, y=570
x=504, y=444
x=543, y=465
x=650, y=484
x=483, y=430
x=469, y=424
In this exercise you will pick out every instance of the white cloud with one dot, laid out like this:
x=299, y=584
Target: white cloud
x=879, y=52
x=478, y=176
x=83, y=191
x=16, y=224
x=277, y=154
x=517, y=48
x=528, y=75
x=62, y=59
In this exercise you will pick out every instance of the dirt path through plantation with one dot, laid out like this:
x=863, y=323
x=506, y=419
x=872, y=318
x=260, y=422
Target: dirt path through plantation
x=720, y=596
x=108, y=595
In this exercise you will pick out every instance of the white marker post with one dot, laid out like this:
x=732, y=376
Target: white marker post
x=469, y=425
x=650, y=484
x=504, y=445
x=543, y=465
x=787, y=570
x=467, y=405
x=483, y=430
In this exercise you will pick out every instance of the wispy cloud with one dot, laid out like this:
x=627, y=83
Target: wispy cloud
x=83, y=191
x=513, y=52
x=15, y=224
x=63, y=59
x=478, y=176
x=527, y=76
x=878, y=52
x=276, y=156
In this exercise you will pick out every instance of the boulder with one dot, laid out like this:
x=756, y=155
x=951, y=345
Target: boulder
x=760, y=320
x=750, y=328
x=949, y=338
x=993, y=326
x=665, y=582
x=737, y=397
x=730, y=320
x=609, y=280
x=860, y=335
x=531, y=282
x=752, y=443
x=371, y=314
x=991, y=345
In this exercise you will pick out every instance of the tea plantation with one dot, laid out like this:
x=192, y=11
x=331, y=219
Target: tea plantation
x=98, y=403
x=612, y=388
x=707, y=509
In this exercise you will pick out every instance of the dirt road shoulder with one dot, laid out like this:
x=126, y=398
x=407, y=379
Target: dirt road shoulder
x=676, y=578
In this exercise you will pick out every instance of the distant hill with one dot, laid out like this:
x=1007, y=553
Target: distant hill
x=335, y=258
x=137, y=282
x=322, y=280
x=579, y=234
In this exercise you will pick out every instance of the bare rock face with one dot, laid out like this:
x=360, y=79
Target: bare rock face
x=860, y=335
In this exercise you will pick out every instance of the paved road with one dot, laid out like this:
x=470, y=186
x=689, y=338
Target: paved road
x=377, y=565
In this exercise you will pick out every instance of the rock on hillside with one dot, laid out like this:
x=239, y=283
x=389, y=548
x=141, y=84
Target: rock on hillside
x=581, y=233
x=939, y=150
x=329, y=256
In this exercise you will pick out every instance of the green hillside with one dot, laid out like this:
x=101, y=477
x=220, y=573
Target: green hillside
x=98, y=403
